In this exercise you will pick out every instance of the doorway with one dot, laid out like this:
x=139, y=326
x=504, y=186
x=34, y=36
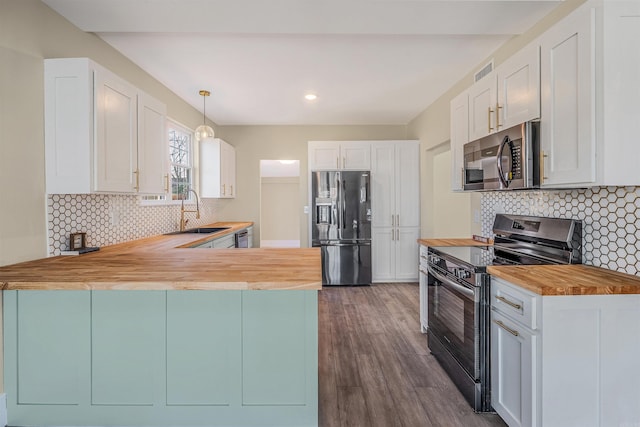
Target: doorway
x=279, y=203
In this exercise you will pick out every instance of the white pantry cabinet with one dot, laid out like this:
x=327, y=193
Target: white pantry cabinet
x=339, y=155
x=217, y=169
x=564, y=360
x=590, y=62
x=459, y=137
x=507, y=96
x=101, y=133
x=395, y=202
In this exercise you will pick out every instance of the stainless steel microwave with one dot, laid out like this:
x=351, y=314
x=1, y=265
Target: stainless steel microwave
x=507, y=160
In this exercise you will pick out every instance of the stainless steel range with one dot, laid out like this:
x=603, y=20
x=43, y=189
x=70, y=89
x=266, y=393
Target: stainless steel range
x=458, y=295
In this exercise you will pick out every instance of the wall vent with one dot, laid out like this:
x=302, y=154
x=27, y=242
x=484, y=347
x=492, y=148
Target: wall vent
x=483, y=71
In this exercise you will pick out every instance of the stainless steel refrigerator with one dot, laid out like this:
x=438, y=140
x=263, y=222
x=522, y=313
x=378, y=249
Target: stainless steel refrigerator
x=341, y=225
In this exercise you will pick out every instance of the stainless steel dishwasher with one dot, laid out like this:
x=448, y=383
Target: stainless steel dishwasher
x=242, y=238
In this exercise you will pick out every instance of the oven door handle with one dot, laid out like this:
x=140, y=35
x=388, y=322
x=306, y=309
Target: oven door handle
x=468, y=293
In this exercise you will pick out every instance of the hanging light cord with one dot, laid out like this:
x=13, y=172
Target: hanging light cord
x=204, y=94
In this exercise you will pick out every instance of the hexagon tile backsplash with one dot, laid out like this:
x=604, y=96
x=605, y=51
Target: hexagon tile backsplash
x=610, y=218
x=108, y=219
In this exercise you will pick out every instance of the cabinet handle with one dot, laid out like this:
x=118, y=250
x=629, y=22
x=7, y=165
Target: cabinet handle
x=506, y=328
x=343, y=162
x=137, y=174
x=166, y=183
x=498, y=108
x=224, y=189
x=398, y=220
x=489, y=111
x=506, y=301
x=542, y=157
x=231, y=192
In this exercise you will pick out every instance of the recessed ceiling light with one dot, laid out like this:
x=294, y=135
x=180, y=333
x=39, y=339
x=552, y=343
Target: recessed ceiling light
x=311, y=97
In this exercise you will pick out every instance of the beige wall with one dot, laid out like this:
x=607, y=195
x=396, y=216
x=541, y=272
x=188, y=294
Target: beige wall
x=280, y=208
x=255, y=143
x=432, y=126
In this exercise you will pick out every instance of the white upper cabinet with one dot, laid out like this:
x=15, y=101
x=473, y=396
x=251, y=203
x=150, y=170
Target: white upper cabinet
x=153, y=150
x=567, y=119
x=507, y=96
x=590, y=62
x=116, y=141
x=459, y=137
x=217, y=169
x=519, y=88
x=482, y=107
x=339, y=155
x=101, y=133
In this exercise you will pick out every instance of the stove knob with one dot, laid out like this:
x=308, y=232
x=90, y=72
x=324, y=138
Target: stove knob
x=461, y=273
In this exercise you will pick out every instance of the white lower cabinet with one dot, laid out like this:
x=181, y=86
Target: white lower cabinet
x=564, y=360
x=513, y=356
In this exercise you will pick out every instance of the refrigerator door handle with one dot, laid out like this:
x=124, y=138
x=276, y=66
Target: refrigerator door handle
x=344, y=204
x=339, y=205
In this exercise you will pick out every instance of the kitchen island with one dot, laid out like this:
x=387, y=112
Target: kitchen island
x=154, y=332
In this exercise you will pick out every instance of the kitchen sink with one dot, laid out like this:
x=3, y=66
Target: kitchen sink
x=200, y=230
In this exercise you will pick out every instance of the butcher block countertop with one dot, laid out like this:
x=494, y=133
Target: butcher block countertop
x=451, y=242
x=167, y=262
x=567, y=279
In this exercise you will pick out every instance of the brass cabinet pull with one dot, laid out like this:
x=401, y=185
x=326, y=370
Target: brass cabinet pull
x=542, y=157
x=506, y=328
x=506, y=301
x=489, y=111
x=224, y=189
x=137, y=174
x=166, y=183
x=498, y=108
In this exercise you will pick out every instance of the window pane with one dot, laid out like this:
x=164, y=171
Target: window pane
x=180, y=182
x=179, y=147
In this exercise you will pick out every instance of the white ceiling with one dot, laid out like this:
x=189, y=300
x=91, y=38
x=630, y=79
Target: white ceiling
x=369, y=61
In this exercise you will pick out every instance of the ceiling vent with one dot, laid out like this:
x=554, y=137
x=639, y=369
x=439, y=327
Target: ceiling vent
x=483, y=71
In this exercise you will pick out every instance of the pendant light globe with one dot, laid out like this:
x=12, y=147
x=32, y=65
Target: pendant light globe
x=204, y=131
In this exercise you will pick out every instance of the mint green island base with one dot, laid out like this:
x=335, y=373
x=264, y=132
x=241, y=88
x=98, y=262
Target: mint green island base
x=161, y=358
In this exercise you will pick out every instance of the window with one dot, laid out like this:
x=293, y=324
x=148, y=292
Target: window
x=181, y=158
x=181, y=163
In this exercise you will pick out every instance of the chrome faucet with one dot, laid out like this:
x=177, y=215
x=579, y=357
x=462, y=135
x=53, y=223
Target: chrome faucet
x=183, y=221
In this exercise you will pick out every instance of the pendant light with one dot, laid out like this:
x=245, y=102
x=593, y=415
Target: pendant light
x=203, y=131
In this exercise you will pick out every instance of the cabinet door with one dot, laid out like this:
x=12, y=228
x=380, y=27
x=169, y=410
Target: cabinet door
x=383, y=185
x=567, y=118
x=519, y=88
x=116, y=133
x=424, y=299
x=407, y=185
x=383, y=254
x=513, y=371
x=407, y=253
x=459, y=137
x=323, y=155
x=355, y=155
x=152, y=146
x=482, y=107
x=210, y=173
x=228, y=170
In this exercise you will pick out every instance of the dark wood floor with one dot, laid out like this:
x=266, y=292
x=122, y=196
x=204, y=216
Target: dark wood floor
x=374, y=365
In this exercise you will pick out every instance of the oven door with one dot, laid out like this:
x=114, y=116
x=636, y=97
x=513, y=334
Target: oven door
x=454, y=319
